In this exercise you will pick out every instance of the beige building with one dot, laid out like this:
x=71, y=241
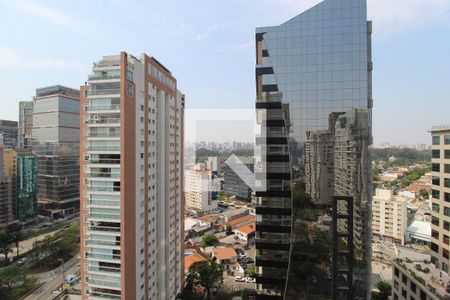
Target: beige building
x=389, y=216
x=440, y=197
x=132, y=201
x=199, y=189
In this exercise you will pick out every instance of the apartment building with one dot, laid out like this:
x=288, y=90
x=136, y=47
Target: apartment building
x=440, y=197
x=8, y=133
x=132, y=202
x=389, y=216
x=25, y=123
x=55, y=141
x=201, y=189
x=233, y=185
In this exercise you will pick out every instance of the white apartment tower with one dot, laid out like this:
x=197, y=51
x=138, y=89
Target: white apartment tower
x=389, y=216
x=132, y=202
x=199, y=190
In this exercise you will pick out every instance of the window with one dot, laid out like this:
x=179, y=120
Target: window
x=447, y=168
x=434, y=247
x=436, y=140
x=413, y=287
x=129, y=89
x=447, y=139
x=447, y=197
x=435, y=153
x=435, y=220
x=396, y=272
x=423, y=296
x=404, y=279
x=435, y=167
x=447, y=211
x=446, y=239
x=447, y=182
x=436, y=194
x=446, y=225
x=435, y=234
x=447, y=154
x=435, y=207
x=436, y=180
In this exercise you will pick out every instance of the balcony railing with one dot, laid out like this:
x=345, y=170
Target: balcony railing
x=105, y=203
x=103, y=269
x=103, y=76
x=103, y=107
x=103, y=92
x=104, y=283
x=103, y=121
x=102, y=243
x=104, y=228
x=102, y=64
x=102, y=175
x=104, y=216
x=103, y=256
x=103, y=148
x=103, y=134
x=105, y=161
x=103, y=189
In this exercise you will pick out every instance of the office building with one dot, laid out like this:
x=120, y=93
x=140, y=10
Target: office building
x=389, y=216
x=313, y=87
x=201, y=189
x=233, y=185
x=8, y=133
x=440, y=197
x=213, y=164
x=132, y=201
x=26, y=185
x=25, y=124
x=55, y=141
x=7, y=186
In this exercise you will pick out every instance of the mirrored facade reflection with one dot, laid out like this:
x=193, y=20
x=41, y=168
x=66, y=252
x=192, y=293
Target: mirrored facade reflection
x=313, y=80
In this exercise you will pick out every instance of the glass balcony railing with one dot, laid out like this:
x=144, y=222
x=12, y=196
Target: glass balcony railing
x=105, y=203
x=104, y=216
x=103, y=107
x=102, y=243
x=103, y=269
x=104, y=283
x=103, y=148
x=96, y=295
x=103, y=134
x=103, y=189
x=103, y=92
x=103, y=256
x=102, y=64
x=103, y=121
x=102, y=175
x=104, y=228
x=103, y=76
x=104, y=161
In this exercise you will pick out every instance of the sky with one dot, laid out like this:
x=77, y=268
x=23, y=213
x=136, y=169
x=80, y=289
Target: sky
x=209, y=47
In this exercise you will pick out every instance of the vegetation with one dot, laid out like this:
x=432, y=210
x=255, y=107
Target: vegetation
x=384, y=291
x=5, y=244
x=403, y=157
x=62, y=245
x=14, y=283
x=210, y=240
x=424, y=194
x=251, y=271
x=208, y=275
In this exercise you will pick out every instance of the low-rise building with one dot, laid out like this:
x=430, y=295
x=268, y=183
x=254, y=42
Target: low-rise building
x=419, y=232
x=235, y=213
x=200, y=190
x=226, y=257
x=239, y=222
x=389, y=216
x=246, y=233
x=189, y=260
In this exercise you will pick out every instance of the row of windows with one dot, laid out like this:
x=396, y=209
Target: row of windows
x=412, y=287
x=437, y=140
x=436, y=194
x=437, y=154
x=436, y=167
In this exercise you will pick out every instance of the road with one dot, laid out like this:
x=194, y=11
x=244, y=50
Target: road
x=53, y=279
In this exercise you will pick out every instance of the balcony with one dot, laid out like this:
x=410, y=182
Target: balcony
x=103, y=269
x=103, y=148
x=103, y=92
x=103, y=76
x=104, y=283
x=103, y=217
x=103, y=243
x=102, y=175
x=103, y=107
x=115, y=257
x=93, y=188
x=115, y=204
x=104, y=161
x=104, y=229
x=107, y=64
x=103, y=121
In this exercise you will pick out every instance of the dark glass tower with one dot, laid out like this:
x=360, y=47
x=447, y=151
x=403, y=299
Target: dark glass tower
x=313, y=85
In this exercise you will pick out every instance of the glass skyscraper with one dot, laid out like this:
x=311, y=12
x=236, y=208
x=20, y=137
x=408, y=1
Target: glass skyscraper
x=313, y=83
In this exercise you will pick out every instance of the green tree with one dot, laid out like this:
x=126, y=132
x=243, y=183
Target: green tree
x=384, y=291
x=209, y=275
x=5, y=244
x=424, y=194
x=17, y=237
x=251, y=271
x=229, y=229
x=209, y=240
x=12, y=276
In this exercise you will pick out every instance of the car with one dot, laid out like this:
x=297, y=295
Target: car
x=22, y=261
x=239, y=279
x=249, y=260
x=250, y=280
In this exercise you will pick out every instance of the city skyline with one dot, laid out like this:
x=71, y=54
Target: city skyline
x=403, y=33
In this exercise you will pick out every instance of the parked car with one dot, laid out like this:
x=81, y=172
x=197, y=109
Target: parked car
x=250, y=280
x=239, y=279
x=22, y=261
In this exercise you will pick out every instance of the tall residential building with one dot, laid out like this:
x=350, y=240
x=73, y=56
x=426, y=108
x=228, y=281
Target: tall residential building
x=389, y=216
x=7, y=186
x=26, y=185
x=213, y=164
x=201, y=189
x=25, y=123
x=132, y=202
x=440, y=197
x=313, y=83
x=8, y=133
x=56, y=134
x=233, y=185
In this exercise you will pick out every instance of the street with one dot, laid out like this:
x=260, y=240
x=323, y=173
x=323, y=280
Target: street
x=53, y=279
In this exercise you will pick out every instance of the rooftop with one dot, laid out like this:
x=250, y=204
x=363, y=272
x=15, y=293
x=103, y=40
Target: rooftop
x=207, y=219
x=420, y=230
x=247, y=229
x=445, y=127
x=230, y=213
x=192, y=259
x=239, y=220
x=224, y=253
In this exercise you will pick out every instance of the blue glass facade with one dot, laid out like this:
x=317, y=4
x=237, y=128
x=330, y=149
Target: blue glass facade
x=320, y=64
x=26, y=186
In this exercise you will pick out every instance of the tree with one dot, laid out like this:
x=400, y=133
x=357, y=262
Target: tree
x=209, y=240
x=17, y=237
x=12, y=276
x=424, y=194
x=251, y=271
x=5, y=244
x=384, y=291
x=209, y=275
x=229, y=229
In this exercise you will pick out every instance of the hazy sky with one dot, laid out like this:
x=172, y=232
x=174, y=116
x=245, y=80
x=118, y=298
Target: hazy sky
x=209, y=47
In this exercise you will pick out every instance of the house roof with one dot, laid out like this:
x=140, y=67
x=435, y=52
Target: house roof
x=224, y=253
x=420, y=230
x=192, y=259
x=239, y=220
x=247, y=229
x=207, y=219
